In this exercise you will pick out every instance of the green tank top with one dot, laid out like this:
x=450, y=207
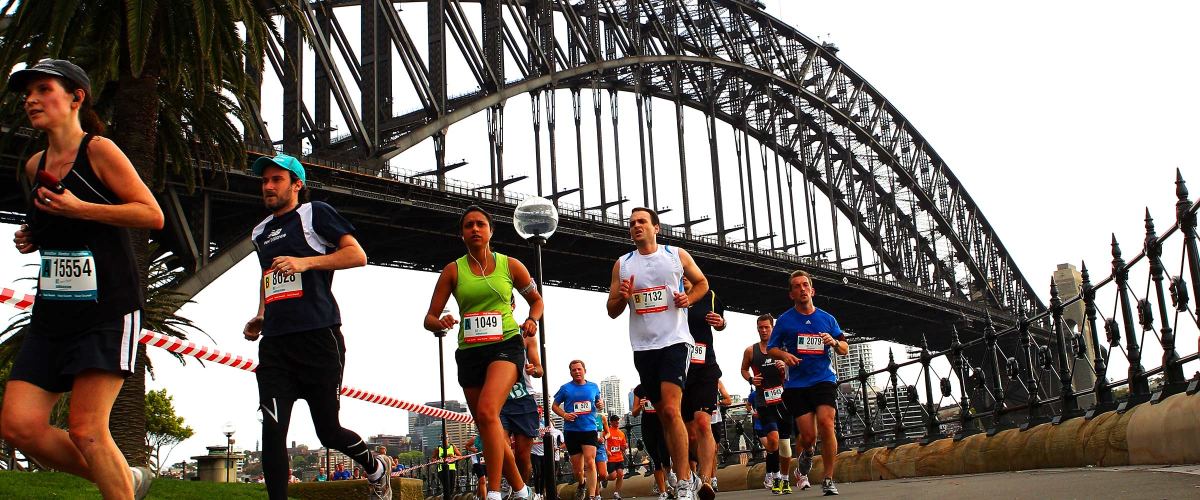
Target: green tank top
x=485, y=303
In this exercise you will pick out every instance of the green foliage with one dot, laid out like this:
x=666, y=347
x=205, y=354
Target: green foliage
x=411, y=457
x=196, y=51
x=163, y=427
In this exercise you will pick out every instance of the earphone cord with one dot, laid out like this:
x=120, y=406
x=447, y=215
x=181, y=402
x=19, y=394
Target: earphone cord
x=483, y=273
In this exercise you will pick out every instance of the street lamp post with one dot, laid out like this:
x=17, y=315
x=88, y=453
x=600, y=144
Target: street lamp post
x=535, y=219
x=228, y=429
x=445, y=467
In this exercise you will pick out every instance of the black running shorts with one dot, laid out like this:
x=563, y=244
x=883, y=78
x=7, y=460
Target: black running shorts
x=51, y=361
x=473, y=362
x=776, y=418
x=667, y=364
x=700, y=392
x=806, y=400
x=576, y=440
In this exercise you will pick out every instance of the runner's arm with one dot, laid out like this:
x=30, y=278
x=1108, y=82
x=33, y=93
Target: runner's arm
x=725, y=399
x=693, y=274
x=618, y=295
x=523, y=282
x=782, y=355
x=637, y=407
x=434, y=322
x=348, y=254
x=135, y=206
x=534, y=357
x=746, y=374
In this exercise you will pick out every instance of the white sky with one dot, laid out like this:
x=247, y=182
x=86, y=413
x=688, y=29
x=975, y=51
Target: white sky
x=1063, y=120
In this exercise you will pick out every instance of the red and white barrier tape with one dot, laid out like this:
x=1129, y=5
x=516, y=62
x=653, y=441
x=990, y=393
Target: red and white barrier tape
x=180, y=346
x=414, y=468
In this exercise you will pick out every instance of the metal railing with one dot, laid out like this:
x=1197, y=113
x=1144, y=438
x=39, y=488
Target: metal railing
x=1019, y=381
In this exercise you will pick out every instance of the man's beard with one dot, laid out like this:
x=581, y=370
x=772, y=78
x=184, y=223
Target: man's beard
x=280, y=202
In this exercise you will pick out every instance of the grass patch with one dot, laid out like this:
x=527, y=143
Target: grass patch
x=58, y=485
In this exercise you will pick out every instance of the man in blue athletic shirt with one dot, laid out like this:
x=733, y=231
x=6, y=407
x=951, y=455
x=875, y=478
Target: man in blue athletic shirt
x=577, y=402
x=803, y=339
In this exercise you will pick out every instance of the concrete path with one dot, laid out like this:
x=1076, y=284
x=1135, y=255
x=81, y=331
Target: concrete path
x=1106, y=483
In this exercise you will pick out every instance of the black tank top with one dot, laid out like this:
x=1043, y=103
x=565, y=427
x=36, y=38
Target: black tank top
x=118, y=290
x=765, y=367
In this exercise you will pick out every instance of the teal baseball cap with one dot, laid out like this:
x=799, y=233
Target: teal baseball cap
x=280, y=160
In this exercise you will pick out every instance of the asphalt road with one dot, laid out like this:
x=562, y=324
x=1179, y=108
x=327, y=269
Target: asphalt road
x=1108, y=483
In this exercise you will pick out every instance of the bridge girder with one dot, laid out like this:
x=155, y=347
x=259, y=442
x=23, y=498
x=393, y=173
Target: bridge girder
x=720, y=57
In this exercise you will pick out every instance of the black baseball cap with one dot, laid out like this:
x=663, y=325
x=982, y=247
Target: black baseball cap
x=52, y=67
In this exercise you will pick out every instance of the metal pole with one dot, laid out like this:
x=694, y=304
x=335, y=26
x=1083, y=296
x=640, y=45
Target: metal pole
x=446, y=487
x=1174, y=371
x=1104, y=398
x=1139, y=387
x=228, y=453
x=547, y=448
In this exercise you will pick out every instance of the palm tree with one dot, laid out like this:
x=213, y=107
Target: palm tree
x=162, y=72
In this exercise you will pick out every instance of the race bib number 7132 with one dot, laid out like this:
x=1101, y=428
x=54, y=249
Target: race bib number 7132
x=650, y=300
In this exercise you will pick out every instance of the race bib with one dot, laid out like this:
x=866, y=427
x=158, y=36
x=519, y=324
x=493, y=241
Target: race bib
x=582, y=407
x=650, y=300
x=487, y=326
x=612, y=450
x=648, y=407
x=698, y=353
x=276, y=286
x=810, y=343
x=67, y=275
x=773, y=395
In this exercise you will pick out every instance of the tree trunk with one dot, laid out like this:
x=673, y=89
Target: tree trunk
x=135, y=131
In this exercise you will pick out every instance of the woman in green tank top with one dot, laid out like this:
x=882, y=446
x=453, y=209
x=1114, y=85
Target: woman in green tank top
x=491, y=350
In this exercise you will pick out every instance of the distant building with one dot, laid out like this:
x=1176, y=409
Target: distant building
x=429, y=428
x=1070, y=283
x=610, y=392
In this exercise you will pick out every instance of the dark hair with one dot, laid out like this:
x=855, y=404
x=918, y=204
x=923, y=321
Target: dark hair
x=653, y=214
x=573, y=361
x=303, y=195
x=88, y=119
x=475, y=208
x=766, y=317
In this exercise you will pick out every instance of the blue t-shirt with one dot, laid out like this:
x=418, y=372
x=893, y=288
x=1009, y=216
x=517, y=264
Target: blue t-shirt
x=304, y=301
x=581, y=400
x=816, y=365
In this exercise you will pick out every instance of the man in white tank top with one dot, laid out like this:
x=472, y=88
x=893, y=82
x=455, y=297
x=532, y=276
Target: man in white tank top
x=648, y=281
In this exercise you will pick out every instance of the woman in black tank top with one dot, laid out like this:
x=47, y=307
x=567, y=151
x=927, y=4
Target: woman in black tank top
x=84, y=329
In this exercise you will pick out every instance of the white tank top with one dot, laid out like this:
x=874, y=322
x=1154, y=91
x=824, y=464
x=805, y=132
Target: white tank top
x=654, y=321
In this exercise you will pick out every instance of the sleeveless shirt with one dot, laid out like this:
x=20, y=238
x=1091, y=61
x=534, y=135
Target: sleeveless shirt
x=118, y=289
x=654, y=321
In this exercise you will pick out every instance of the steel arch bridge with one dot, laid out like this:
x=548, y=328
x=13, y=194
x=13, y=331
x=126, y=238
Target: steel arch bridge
x=826, y=174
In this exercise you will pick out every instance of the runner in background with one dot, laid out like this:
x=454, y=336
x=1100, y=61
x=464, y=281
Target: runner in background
x=579, y=426
x=766, y=374
x=616, y=443
x=652, y=439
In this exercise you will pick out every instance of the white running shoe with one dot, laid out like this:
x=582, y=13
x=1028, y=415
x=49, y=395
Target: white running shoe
x=684, y=490
x=828, y=487
x=381, y=488
x=142, y=477
x=802, y=483
x=769, y=480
